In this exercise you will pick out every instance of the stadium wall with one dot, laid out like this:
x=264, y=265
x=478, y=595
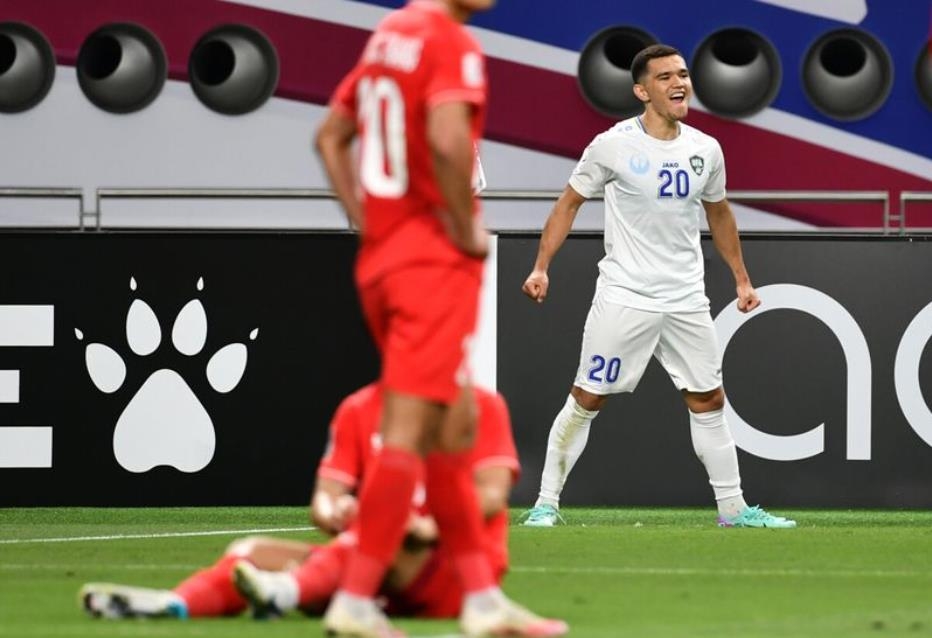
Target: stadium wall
x=202, y=368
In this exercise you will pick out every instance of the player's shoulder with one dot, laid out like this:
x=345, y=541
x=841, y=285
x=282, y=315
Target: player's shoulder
x=489, y=398
x=621, y=132
x=695, y=136
x=431, y=22
x=365, y=398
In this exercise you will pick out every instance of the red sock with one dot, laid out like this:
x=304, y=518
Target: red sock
x=210, y=592
x=452, y=499
x=384, y=506
x=319, y=575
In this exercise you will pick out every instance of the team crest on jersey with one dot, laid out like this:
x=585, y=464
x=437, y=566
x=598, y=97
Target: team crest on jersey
x=639, y=164
x=697, y=164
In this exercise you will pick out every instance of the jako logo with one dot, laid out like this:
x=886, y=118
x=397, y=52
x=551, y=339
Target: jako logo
x=857, y=356
x=164, y=423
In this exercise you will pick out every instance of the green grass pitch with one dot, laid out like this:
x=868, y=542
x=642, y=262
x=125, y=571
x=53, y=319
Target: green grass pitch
x=609, y=572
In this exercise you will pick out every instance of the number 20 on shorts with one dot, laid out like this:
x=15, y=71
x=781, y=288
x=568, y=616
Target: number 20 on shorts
x=604, y=370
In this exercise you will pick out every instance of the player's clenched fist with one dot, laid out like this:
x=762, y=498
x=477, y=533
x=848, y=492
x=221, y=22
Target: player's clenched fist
x=535, y=286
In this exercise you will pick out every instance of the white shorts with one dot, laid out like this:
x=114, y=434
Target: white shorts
x=618, y=342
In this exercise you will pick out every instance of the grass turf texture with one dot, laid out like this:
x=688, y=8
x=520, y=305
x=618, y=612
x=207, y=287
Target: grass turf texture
x=610, y=573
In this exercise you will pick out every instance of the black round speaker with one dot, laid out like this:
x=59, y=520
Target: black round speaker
x=27, y=67
x=924, y=74
x=604, y=72
x=736, y=72
x=847, y=74
x=121, y=67
x=233, y=69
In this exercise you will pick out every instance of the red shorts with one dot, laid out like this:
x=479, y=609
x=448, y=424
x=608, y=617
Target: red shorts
x=422, y=318
x=436, y=592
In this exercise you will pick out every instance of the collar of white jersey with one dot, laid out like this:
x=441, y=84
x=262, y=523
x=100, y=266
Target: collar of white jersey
x=679, y=131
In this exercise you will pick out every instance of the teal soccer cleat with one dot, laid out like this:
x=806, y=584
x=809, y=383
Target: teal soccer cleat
x=543, y=516
x=109, y=600
x=756, y=517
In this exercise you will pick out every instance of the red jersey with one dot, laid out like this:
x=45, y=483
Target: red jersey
x=418, y=57
x=355, y=439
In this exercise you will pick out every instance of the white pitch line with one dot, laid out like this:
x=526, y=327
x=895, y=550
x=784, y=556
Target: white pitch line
x=117, y=537
x=688, y=571
x=522, y=569
x=103, y=566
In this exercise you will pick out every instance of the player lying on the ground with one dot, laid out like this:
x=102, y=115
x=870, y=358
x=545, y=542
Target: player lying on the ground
x=279, y=574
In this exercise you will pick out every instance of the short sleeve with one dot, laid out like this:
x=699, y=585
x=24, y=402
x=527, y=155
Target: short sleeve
x=344, y=96
x=457, y=71
x=714, y=190
x=592, y=171
x=342, y=460
x=495, y=444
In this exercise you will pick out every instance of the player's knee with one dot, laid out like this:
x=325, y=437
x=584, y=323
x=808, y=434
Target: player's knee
x=587, y=400
x=242, y=547
x=705, y=401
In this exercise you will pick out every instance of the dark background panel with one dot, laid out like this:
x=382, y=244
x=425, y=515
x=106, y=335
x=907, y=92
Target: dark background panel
x=785, y=372
x=312, y=349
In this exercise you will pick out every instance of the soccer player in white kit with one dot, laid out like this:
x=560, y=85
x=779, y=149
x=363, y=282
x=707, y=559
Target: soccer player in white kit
x=657, y=174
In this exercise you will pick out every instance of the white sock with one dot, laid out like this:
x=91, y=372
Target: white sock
x=715, y=447
x=567, y=440
x=287, y=593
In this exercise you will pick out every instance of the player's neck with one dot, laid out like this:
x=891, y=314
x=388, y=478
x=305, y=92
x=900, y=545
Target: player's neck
x=453, y=9
x=658, y=126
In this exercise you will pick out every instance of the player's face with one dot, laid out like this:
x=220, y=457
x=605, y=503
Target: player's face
x=667, y=87
x=463, y=9
x=475, y=5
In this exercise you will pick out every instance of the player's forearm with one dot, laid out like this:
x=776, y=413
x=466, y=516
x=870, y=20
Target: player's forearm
x=492, y=500
x=724, y=231
x=556, y=229
x=334, y=144
x=453, y=169
x=493, y=485
x=339, y=166
x=449, y=137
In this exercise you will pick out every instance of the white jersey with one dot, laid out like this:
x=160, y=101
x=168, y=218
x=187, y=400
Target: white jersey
x=653, y=190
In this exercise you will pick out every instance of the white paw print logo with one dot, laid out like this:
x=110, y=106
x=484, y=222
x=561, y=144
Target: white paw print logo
x=165, y=423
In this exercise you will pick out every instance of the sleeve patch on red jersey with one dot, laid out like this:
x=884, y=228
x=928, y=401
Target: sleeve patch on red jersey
x=473, y=75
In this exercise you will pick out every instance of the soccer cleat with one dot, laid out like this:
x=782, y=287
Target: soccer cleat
x=269, y=594
x=494, y=614
x=543, y=516
x=351, y=616
x=108, y=600
x=756, y=517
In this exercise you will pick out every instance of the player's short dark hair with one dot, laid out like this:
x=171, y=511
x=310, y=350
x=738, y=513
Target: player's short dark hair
x=639, y=63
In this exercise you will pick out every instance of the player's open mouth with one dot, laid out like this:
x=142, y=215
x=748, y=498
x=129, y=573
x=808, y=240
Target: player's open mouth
x=678, y=97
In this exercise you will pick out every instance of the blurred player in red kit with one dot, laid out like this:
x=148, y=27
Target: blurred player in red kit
x=416, y=102
x=421, y=581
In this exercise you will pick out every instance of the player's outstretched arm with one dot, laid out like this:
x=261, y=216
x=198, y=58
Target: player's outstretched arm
x=556, y=229
x=725, y=235
x=334, y=144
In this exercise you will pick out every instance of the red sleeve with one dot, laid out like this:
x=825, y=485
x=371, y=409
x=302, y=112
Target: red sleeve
x=458, y=70
x=344, y=96
x=342, y=460
x=495, y=444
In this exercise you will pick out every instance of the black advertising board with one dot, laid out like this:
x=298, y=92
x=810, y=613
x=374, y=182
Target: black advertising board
x=830, y=381
x=175, y=368
x=203, y=368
